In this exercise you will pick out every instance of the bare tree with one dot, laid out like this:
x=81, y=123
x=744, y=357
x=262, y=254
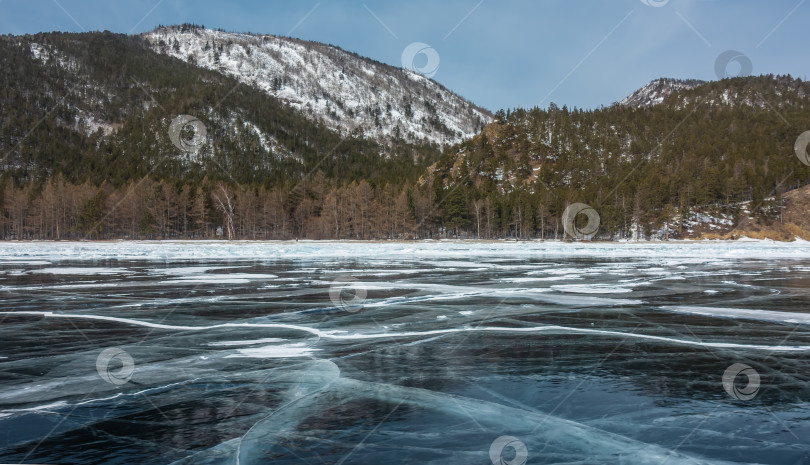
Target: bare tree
x=477, y=207
x=223, y=200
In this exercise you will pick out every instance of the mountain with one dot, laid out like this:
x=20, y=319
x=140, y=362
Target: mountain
x=106, y=136
x=100, y=107
x=719, y=143
x=343, y=91
x=657, y=91
x=726, y=93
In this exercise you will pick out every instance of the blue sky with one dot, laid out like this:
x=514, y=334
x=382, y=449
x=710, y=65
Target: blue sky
x=499, y=54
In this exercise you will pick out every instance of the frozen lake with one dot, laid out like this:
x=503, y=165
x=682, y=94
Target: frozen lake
x=404, y=353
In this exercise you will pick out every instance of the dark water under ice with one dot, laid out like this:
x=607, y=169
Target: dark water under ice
x=410, y=359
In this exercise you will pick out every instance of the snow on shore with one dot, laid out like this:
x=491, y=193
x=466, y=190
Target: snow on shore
x=14, y=252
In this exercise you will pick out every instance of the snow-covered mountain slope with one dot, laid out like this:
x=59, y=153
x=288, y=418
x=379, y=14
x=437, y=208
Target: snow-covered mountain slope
x=344, y=91
x=767, y=92
x=656, y=91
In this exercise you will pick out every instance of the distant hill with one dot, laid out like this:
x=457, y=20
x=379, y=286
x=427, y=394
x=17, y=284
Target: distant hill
x=657, y=91
x=342, y=90
x=668, y=153
x=99, y=107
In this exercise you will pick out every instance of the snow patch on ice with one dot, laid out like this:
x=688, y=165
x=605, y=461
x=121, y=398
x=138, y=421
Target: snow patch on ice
x=233, y=278
x=298, y=349
x=189, y=270
x=591, y=289
x=81, y=271
x=743, y=313
x=40, y=408
x=266, y=340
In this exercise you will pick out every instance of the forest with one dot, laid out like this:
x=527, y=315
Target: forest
x=87, y=154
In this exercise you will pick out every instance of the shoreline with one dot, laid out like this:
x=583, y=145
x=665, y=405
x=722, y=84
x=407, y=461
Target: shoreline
x=743, y=239
x=426, y=251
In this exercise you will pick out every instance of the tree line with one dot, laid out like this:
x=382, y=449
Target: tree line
x=316, y=209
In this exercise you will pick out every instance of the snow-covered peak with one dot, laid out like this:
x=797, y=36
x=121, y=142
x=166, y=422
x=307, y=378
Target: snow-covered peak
x=346, y=92
x=657, y=91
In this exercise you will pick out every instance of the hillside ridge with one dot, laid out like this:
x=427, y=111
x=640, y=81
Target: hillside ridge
x=342, y=90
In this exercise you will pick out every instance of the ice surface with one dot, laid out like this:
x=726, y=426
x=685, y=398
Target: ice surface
x=232, y=278
x=679, y=252
x=393, y=335
x=245, y=343
x=190, y=270
x=591, y=289
x=81, y=271
x=744, y=313
x=276, y=351
x=586, y=353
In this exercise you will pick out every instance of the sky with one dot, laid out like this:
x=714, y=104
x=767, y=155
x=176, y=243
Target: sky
x=496, y=53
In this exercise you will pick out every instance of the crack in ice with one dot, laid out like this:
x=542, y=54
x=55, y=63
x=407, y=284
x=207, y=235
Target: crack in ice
x=343, y=335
